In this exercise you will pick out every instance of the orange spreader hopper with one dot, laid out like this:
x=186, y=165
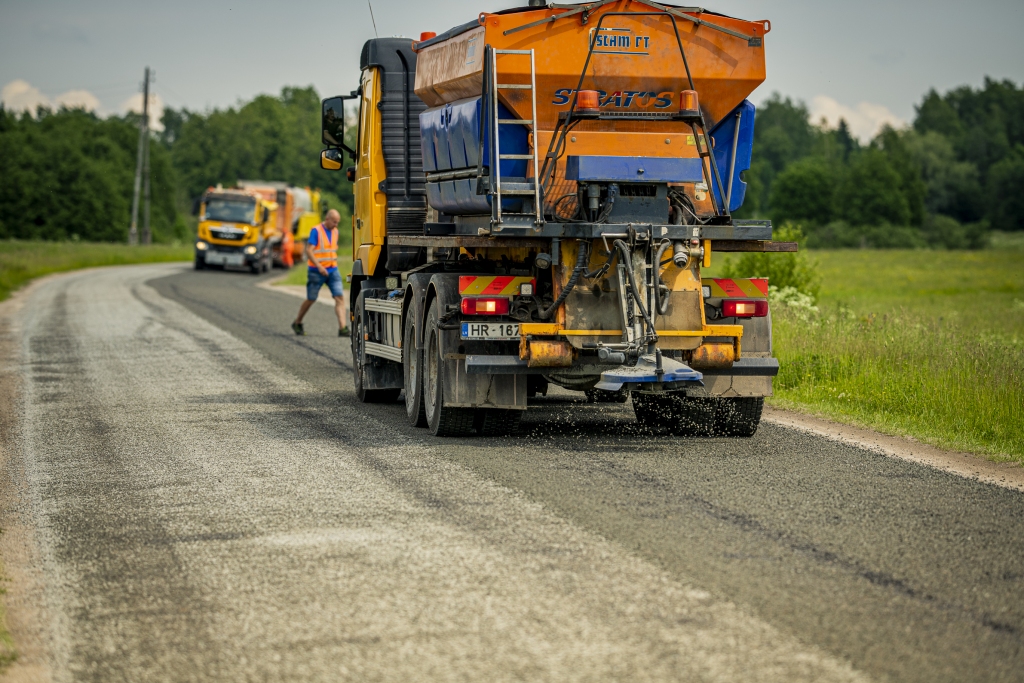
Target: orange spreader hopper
x=636, y=62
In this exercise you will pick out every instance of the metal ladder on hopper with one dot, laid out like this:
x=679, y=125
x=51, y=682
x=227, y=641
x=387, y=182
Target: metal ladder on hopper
x=498, y=189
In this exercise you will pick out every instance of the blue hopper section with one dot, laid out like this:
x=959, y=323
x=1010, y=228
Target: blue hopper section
x=616, y=169
x=450, y=139
x=723, y=135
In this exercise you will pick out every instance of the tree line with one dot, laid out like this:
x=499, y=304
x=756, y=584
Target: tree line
x=954, y=174
x=69, y=174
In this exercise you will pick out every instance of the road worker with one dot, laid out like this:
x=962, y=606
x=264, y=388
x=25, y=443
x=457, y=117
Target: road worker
x=322, y=258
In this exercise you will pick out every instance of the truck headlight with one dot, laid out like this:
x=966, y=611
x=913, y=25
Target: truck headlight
x=250, y=250
x=201, y=245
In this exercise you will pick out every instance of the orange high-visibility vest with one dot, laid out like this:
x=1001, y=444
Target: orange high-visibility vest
x=326, y=248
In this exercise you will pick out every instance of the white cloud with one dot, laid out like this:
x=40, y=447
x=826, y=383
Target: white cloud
x=81, y=99
x=156, y=108
x=20, y=95
x=864, y=120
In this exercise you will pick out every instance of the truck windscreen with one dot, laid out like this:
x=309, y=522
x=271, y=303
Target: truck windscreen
x=232, y=210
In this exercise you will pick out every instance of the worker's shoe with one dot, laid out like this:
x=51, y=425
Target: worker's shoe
x=343, y=332
x=297, y=329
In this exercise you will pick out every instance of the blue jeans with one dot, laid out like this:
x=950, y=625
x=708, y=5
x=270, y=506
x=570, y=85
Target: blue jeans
x=314, y=281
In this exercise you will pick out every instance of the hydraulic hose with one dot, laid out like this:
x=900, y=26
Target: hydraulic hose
x=627, y=261
x=662, y=301
x=580, y=269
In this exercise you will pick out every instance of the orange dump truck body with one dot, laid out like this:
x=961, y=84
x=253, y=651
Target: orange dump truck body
x=295, y=210
x=725, y=68
x=636, y=66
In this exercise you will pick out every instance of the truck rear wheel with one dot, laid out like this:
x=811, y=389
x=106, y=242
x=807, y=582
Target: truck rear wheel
x=738, y=416
x=653, y=411
x=441, y=420
x=497, y=421
x=358, y=368
x=412, y=370
x=675, y=414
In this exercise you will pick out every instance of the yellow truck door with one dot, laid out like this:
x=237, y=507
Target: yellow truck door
x=370, y=201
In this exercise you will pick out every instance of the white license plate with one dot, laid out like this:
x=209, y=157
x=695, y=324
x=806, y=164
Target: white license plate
x=215, y=258
x=490, y=330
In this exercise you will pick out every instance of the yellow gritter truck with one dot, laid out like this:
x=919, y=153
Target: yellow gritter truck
x=536, y=193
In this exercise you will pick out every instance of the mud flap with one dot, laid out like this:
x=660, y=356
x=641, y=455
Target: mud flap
x=461, y=389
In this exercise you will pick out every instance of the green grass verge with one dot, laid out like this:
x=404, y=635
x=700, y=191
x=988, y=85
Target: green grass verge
x=928, y=344
x=8, y=653
x=21, y=261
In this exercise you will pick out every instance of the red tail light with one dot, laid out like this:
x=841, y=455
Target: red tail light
x=737, y=308
x=479, y=305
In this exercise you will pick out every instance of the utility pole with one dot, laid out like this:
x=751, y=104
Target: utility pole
x=142, y=159
x=146, y=236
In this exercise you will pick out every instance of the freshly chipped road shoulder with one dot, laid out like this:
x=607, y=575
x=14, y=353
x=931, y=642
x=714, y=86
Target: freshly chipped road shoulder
x=211, y=503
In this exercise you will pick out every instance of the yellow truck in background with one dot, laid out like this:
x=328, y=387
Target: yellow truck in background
x=257, y=225
x=237, y=228
x=298, y=210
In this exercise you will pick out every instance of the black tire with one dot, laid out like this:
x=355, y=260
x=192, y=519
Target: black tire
x=200, y=263
x=497, y=421
x=654, y=412
x=738, y=416
x=676, y=414
x=441, y=420
x=358, y=372
x=412, y=374
x=695, y=417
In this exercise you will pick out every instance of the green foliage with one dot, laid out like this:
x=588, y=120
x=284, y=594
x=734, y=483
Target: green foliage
x=952, y=187
x=267, y=138
x=71, y=174
x=963, y=159
x=21, y=261
x=804, y=191
x=840, y=234
x=870, y=194
x=1006, y=188
x=783, y=270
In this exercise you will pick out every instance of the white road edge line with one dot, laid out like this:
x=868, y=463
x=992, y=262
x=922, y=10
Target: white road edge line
x=1006, y=474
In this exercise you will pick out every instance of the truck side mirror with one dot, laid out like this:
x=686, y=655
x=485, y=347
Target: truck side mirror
x=332, y=123
x=330, y=159
x=266, y=214
x=197, y=204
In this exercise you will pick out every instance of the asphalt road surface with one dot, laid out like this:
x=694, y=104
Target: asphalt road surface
x=212, y=503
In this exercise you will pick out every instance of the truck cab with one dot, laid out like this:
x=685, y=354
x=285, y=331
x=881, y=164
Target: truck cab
x=236, y=229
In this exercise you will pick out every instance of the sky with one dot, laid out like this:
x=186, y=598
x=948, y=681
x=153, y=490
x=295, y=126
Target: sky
x=867, y=61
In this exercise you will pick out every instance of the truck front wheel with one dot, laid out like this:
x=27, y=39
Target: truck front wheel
x=441, y=419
